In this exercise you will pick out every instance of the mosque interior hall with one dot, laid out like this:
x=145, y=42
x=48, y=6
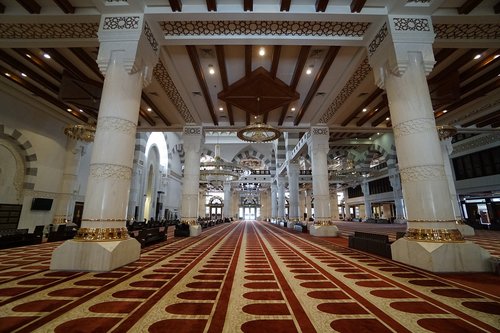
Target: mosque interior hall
x=250, y=166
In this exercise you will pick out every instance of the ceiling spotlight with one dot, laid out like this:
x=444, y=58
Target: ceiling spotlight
x=80, y=110
x=262, y=51
x=23, y=75
x=496, y=56
x=309, y=70
x=28, y=56
x=477, y=56
x=149, y=109
x=388, y=118
x=221, y=109
x=444, y=111
x=7, y=74
x=292, y=109
x=46, y=56
x=69, y=110
x=211, y=70
x=365, y=109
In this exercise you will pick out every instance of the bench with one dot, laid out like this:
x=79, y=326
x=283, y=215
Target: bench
x=20, y=237
x=371, y=243
x=181, y=230
x=149, y=236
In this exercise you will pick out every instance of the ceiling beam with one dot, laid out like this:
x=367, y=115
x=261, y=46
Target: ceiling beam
x=468, y=6
x=496, y=8
x=19, y=66
x=373, y=112
x=35, y=60
x=68, y=65
x=492, y=120
x=321, y=5
x=212, y=5
x=195, y=62
x=363, y=105
x=221, y=60
x=357, y=5
x=65, y=6
x=87, y=60
x=276, y=60
x=147, y=117
x=487, y=61
x=453, y=67
x=42, y=94
x=155, y=109
x=299, y=68
x=442, y=55
x=381, y=118
x=175, y=5
x=481, y=119
x=325, y=66
x=493, y=74
x=285, y=5
x=248, y=60
x=248, y=5
x=30, y=5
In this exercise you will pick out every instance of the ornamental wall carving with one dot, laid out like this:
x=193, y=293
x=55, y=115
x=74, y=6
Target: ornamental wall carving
x=359, y=75
x=422, y=173
x=121, y=23
x=110, y=171
x=411, y=24
x=48, y=30
x=378, y=39
x=164, y=79
x=467, y=31
x=269, y=28
x=117, y=125
x=150, y=37
x=414, y=126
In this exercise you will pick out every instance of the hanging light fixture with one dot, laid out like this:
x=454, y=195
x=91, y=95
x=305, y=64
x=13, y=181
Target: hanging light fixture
x=218, y=170
x=80, y=132
x=258, y=132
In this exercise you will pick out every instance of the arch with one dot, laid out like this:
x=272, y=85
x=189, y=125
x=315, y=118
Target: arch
x=25, y=148
x=11, y=173
x=251, y=154
x=376, y=150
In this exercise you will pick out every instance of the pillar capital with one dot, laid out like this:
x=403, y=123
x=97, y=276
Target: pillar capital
x=129, y=37
x=399, y=36
x=192, y=137
x=319, y=141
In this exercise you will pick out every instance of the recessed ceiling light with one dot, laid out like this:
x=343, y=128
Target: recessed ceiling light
x=444, y=111
x=388, y=118
x=211, y=70
x=309, y=70
x=149, y=109
x=27, y=55
x=69, y=110
x=23, y=75
x=292, y=109
x=80, y=110
x=365, y=109
x=221, y=109
x=262, y=51
x=46, y=56
x=477, y=56
x=378, y=133
x=496, y=56
x=7, y=74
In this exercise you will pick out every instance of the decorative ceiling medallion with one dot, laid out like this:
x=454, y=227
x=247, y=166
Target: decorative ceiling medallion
x=258, y=93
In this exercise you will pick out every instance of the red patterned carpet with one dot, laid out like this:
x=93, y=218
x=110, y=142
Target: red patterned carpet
x=241, y=277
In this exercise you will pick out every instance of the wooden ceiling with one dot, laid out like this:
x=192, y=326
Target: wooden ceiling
x=275, y=86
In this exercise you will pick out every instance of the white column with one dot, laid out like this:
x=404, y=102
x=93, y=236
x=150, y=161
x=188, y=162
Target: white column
x=127, y=53
x=192, y=136
x=274, y=202
x=432, y=241
x=366, y=193
x=71, y=165
x=395, y=181
x=318, y=150
x=445, y=135
x=334, y=205
x=227, y=199
x=281, y=199
x=302, y=204
x=308, y=203
x=293, y=188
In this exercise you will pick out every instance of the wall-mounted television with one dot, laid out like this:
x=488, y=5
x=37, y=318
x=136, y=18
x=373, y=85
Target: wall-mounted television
x=41, y=204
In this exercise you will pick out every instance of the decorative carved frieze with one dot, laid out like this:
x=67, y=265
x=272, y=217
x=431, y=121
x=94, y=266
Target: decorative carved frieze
x=422, y=173
x=113, y=171
x=414, y=126
x=48, y=30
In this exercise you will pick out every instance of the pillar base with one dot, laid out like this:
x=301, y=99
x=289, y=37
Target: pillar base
x=95, y=256
x=194, y=230
x=466, y=230
x=323, y=230
x=442, y=257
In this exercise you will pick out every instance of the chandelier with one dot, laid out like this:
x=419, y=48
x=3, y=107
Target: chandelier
x=258, y=132
x=219, y=170
x=80, y=132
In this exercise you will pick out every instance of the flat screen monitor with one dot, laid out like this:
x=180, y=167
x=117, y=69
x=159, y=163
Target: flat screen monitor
x=41, y=204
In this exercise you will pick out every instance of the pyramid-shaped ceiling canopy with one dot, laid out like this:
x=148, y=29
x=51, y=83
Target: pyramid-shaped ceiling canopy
x=258, y=93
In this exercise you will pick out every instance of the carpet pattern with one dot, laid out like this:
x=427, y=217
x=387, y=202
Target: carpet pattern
x=240, y=277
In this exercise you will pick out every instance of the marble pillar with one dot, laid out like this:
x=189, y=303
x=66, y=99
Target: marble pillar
x=366, y=193
x=397, y=190
x=318, y=150
x=192, y=136
x=128, y=52
x=308, y=203
x=334, y=205
x=302, y=204
x=227, y=200
x=293, y=188
x=274, y=202
x=281, y=199
x=445, y=135
x=65, y=202
x=432, y=240
x=347, y=207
